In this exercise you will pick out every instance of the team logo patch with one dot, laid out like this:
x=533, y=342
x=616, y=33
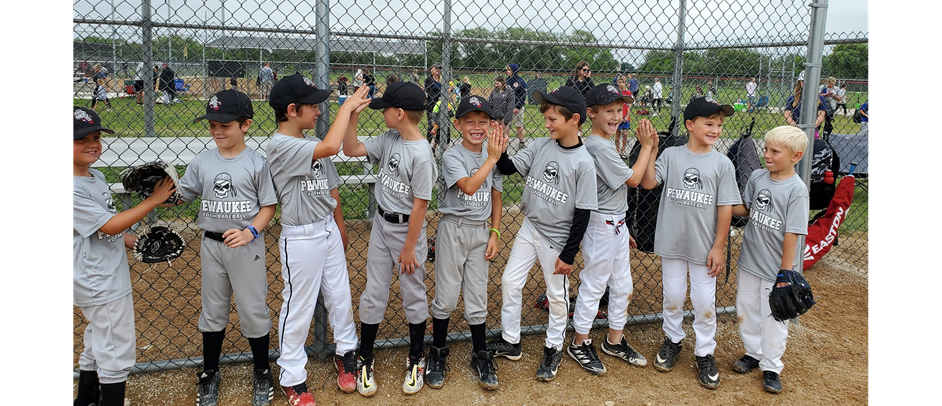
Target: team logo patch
x=764, y=200
x=222, y=186
x=109, y=203
x=81, y=115
x=308, y=82
x=551, y=173
x=475, y=102
x=316, y=168
x=692, y=179
x=214, y=103
x=612, y=89
x=392, y=166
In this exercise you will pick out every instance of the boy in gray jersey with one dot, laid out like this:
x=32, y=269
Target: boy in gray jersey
x=101, y=279
x=692, y=224
x=560, y=193
x=776, y=202
x=464, y=242
x=607, y=243
x=404, y=187
x=237, y=201
x=313, y=237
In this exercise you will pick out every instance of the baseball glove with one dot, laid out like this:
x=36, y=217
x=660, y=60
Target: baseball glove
x=142, y=179
x=791, y=300
x=159, y=244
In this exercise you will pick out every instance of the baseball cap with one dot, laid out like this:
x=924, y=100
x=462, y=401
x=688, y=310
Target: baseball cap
x=473, y=103
x=603, y=95
x=700, y=107
x=296, y=89
x=84, y=122
x=226, y=106
x=403, y=95
x=567, y=97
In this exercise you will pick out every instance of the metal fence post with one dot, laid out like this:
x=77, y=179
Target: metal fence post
x=677, y=80
x=149, y=96
x=322, y=71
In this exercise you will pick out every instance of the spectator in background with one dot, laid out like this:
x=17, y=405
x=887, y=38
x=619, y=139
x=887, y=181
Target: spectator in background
x=266, y=79
x=537, y=84
x=464, y=90
x=793, y=106
x=503, y=100
x=711, y=91
x=391, y=78
x=751, y=95
x=357, y=80
x=370, y=82
x=519, y=87
x=633, y=85
x=167, y=84
x=697, y=93
x=433, y=92
x=414, y=77
x=139, y=82
x=657, y=91
x=342, y=85
x=842, y=98
x=99, y=74
x=233, y=84
x=581, y=79
x=829, y=91
x=865, y=118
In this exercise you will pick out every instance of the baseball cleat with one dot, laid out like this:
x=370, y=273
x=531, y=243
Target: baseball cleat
x=262, y=389
x=365, y=383
x=550, y=364
x=586, y=356
x=298, y=395
x=708, y=374
x=437, y=365
x=346, y=371
x=625, y=352
x=415, y=374
x=485, y=369
x=771, y=382
x=667, y=356
x=502, y=348
x=207, y=389
x=745, y=365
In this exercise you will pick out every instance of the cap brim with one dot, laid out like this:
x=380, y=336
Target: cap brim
x=541, y=97
x=473, y=109
x=317, y=97
x=81, y=133
x=219, y=117
x=727, y=110
x=378, y=104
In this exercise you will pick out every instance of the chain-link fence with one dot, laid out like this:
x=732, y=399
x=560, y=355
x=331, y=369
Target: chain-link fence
x=158, y=61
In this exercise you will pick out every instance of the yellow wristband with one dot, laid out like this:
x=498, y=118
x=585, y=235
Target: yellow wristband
x=498, y=232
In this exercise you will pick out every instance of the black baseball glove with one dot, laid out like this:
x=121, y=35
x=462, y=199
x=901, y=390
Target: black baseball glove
x=791, y=300
x=141, y=180
x=159, y=244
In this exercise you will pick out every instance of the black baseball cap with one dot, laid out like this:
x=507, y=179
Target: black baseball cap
x=701, y=107
x=567, y=97
x=226, y=106
x=605, y=94
x=296, y=89
x=473, y=103
x=403, y=95
x=84, y=122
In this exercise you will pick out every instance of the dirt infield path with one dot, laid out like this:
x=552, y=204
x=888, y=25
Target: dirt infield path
x=826, y=363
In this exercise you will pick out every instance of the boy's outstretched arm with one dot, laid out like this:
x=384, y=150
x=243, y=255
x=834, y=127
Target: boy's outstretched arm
x=647, y=136
x=125, y=219
x=407, y=260
x=716, y=260
x=649, y=180
x=740, y=210
x=338, y=217
x=788, y=250
x=336, y=135
x=495, y=145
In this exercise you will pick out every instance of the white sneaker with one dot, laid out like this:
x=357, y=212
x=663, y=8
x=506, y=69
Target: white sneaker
x=415, y=374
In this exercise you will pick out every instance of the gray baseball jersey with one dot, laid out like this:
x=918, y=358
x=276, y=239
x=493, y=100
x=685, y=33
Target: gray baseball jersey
x=558, y=181
x=100, y=271
x=611, y=173
x=407, y=170
x=694, y=185
x=775, y=207
x=232, y=189
x=457, y=163
x=303, y=184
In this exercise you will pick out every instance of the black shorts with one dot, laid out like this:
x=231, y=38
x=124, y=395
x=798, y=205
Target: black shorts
x=138, y=85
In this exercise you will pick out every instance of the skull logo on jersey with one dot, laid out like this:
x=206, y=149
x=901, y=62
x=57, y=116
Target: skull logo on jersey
x=109, y=203
x=392, y=166
x=214, y=103
x=317, y=169
x=692, y=179
x=764, y=200
x=222, y=186
x=551, y=173
x=473, y=171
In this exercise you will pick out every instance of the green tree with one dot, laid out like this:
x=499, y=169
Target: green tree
x=847, y=61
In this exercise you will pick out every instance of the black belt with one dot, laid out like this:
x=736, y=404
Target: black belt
x=397, y=218
x=214, y=236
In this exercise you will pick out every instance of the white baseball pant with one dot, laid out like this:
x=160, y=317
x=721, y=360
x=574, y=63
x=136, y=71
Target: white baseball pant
x=702, y=296
x=312, y=262
x=763, y=337
x=527, y=248
x=110, y=340
x=605, y=254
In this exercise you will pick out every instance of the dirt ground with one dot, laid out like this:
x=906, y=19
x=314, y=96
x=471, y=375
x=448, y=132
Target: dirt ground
x=826, y=363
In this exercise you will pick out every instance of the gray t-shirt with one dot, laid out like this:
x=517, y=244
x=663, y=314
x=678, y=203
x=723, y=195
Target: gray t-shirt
x=302, y=183
x=558, y=181
x=406, y=170
x=266, y=74
x=232, y=189
x=100, y=271
x=457, y=163
x=694, y=185
x=775, y=207
x=611, y=173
